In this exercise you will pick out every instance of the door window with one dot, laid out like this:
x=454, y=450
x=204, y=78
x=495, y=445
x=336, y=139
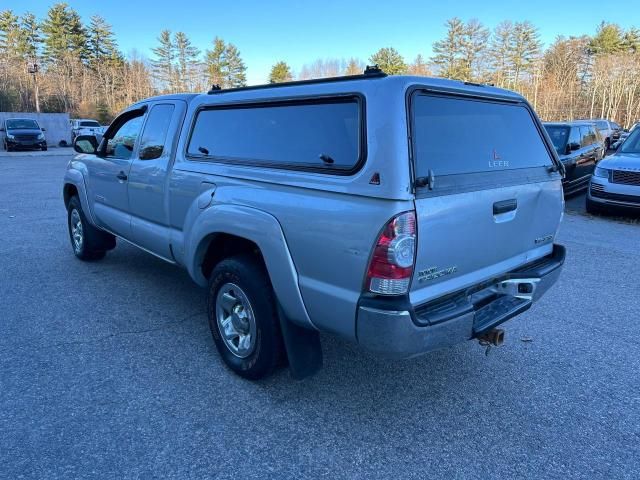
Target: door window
x=575, y=137
x=155, y=132
x=588, y=136
x=123, y=140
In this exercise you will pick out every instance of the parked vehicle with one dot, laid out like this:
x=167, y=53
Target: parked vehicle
x=332, y=205
x=609, y=131
x=623, y=136
x=579, y=147
x=84, y=126
x=616, y=180
x=23, y=134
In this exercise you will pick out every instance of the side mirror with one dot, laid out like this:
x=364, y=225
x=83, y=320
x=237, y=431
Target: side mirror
x=85, y=144
x=43, y=129
x=2, y=129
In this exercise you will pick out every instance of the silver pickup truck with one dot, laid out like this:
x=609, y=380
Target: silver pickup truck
x=402, y=213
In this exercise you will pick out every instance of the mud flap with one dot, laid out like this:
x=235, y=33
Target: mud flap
x=303, y=348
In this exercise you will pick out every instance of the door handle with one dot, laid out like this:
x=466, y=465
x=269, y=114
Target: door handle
x=505, y=206
x=121, y=176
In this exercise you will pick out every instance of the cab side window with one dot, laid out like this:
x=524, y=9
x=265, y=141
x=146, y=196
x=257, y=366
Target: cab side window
x=155, y=132
x=123, y=140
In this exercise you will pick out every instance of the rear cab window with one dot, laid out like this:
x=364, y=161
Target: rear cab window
x=324, y=135
x=455, y=136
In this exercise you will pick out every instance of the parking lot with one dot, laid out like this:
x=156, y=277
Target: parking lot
x=108, y=370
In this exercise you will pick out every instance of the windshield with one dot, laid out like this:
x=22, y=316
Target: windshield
x=22, y=123
x=632, y=143
x=89, y=124
x=559, y=136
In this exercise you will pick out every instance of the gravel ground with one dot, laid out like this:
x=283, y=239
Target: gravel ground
x=108, y=370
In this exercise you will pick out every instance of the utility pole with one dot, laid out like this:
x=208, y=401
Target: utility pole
x=33, y=70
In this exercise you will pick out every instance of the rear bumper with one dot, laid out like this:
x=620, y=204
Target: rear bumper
x=398, y=330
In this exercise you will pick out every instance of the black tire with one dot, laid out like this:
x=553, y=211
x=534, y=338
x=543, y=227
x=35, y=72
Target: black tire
x=44, y=149
x=592, y=208
x=607, y=144
x=249, y=275
x=94, y=243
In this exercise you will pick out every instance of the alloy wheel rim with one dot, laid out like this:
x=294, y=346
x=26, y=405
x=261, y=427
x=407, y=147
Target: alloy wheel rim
x=77, y=234
x=235, y=319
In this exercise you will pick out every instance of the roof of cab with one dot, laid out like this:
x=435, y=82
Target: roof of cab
x=354, y=83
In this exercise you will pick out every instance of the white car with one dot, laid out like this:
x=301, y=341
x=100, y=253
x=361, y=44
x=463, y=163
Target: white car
x=84, y=126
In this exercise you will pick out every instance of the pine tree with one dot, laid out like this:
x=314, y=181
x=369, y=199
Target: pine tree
x=419, y=67
x=499, y=49
x=163, y=64
x=224, y=65
x=474, y=47
x=280, y=72
x=102, y=45
x=390, y=61
x=235, y=75
x=30, y=39
x=631, y=40
x=608, y=39
x=448, y=53
x=216, y=62
x=187, y=58
x=525, y=48
x=9, y=34
x=64, y=34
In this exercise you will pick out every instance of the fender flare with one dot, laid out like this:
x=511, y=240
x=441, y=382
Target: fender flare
x=75, y=177
x=262, y=229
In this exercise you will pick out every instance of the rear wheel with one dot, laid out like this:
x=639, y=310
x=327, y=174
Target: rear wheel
x=243, y=317
x=88, y=242
x=44, y=149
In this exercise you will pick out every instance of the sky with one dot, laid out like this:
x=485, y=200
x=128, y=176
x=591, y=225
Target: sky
x=301, y=32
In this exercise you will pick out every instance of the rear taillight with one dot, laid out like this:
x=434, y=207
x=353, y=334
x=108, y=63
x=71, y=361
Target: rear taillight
x=391, y=265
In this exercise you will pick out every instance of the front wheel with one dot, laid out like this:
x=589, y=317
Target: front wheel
x=243, y=317
x=592, y=207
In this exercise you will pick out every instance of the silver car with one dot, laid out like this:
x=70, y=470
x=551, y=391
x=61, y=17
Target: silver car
x=616, y=179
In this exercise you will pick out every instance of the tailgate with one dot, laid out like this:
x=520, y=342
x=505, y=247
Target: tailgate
x=491, y=201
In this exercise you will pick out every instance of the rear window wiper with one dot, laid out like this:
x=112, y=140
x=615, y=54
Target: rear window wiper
x=327, y=159
x=203, y=150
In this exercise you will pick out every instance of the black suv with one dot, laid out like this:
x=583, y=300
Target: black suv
x=580, y=147
x=23, y=134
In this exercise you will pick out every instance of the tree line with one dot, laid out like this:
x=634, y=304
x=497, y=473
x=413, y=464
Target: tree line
x=81, y=69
